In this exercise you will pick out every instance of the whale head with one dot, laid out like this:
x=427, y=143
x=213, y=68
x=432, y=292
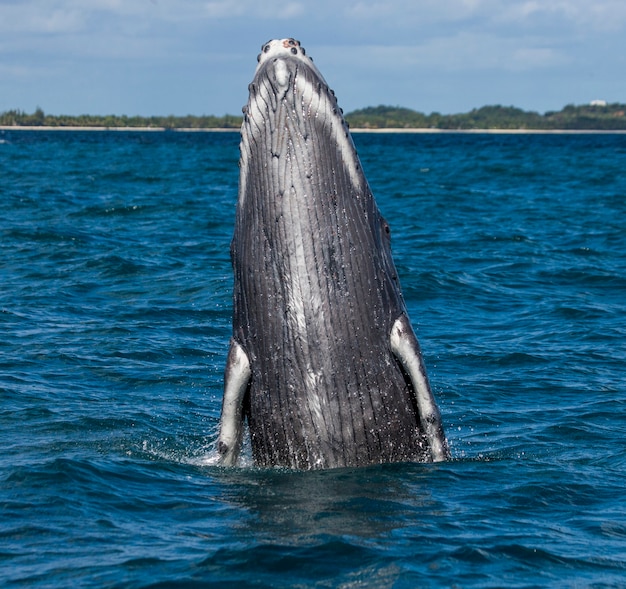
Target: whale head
x=291, y=107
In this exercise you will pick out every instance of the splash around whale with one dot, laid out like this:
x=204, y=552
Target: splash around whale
x=323, y=363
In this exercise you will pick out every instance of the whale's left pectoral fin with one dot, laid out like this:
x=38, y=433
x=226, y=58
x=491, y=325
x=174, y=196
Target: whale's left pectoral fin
x=406, y=348
x=236, y=380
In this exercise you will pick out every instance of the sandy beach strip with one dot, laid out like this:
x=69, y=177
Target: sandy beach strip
x=494, y=131
x=117, y=129
x=352, y=130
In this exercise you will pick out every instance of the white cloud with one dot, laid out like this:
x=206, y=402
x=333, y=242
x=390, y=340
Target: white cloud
x=29, y=18
x=348, y=19
x=415, y=12
x=268, y=9
x=421, y=14
x=461, y=52
x=592, y=15
x=387, y=45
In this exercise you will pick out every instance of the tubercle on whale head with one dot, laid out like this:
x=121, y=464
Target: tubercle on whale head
x=278, y=47
x=288, y=48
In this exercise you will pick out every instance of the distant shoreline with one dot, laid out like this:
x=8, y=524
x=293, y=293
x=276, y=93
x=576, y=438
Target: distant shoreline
x=597, y=116
x=118, y=129
x=497, y=131
x=356, y=130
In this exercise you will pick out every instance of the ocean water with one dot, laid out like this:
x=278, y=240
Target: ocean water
x=115, y=310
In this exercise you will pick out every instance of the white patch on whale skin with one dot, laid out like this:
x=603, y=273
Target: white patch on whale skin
x=405, y=347
x=236, y=380
x=281, y=72
x=296, y=298
x=313, y=383
x=326, y=110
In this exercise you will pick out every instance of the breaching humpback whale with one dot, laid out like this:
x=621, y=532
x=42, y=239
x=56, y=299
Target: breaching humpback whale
x=323, y=362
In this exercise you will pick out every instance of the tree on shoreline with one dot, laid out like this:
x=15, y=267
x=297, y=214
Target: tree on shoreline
x=605, y=117
x=585, y=117
x=18, y=118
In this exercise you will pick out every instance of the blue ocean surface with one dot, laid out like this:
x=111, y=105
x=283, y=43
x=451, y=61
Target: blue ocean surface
x=115, y=317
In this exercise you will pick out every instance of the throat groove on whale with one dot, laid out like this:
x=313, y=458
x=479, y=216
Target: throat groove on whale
x=323, y=364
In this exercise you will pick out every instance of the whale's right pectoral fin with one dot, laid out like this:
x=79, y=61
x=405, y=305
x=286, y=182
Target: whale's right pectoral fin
x=406, y=348
x=236, y=380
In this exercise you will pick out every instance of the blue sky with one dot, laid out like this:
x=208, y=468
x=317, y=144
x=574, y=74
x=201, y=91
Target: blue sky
x=160, y=57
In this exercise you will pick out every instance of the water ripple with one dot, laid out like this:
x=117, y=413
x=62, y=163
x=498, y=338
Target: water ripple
x=115, y=308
